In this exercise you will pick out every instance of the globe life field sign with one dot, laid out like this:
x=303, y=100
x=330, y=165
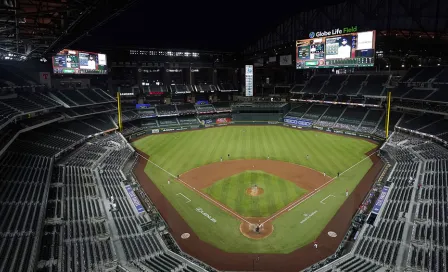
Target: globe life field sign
x=336, y=31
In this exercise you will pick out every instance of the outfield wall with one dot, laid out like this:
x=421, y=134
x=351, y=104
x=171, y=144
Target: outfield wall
x=312, y=127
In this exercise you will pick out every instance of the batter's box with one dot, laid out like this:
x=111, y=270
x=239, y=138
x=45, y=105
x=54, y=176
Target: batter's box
x=188, y=200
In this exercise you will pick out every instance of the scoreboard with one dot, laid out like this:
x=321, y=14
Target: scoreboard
x=79, y=62
x=346, y=49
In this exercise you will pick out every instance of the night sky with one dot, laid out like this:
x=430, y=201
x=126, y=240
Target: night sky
x=204, y=25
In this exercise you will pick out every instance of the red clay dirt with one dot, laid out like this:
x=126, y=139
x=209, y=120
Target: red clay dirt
x=250, y=191
x=248, y=229
x=294, y=261
x=206, y=175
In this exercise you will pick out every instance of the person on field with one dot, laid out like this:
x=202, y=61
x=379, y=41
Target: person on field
x=325, y=174
x=268, y=157
x=307, y=157
x=221, y=159
x=315, y=244
x=228, y=156
x=338, y=174
x=346, y=192
x=169, y=182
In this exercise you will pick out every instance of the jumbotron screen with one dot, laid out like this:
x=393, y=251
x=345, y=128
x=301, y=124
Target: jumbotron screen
x=336, y=51
x=79, y=62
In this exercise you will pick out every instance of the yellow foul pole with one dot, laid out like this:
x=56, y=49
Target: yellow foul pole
x=389, y=97
x=120, y=125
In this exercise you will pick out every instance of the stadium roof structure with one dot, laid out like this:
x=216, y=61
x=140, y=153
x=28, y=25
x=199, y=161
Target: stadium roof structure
x=410, y=23
x=32, y=28
x=225, y=26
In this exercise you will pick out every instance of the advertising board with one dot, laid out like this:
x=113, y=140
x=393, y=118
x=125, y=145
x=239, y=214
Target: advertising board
x=138, y=205
x=379, y=202
x=298, y=122
x=142, y=106
x=223, y=120
x=249, y=80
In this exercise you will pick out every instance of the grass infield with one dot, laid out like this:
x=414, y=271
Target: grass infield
x=330, y=153
x=277, y=193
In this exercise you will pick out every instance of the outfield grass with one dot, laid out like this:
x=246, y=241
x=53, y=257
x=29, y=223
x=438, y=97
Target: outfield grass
x=330, y=153
x=277, y=194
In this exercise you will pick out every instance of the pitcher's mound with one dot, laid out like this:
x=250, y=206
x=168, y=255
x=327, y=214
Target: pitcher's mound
x=249, y=229
x=250, y=191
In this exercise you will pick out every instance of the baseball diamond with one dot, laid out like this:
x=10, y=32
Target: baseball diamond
x=285, y=217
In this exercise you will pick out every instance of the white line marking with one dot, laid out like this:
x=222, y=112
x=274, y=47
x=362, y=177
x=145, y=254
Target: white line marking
x=299, y=201
x=189, y=200
x=322, y=201
x=308, y=217
x=199, y=192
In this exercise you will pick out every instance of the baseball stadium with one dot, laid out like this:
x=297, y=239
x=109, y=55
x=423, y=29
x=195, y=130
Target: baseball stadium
x=151, y=137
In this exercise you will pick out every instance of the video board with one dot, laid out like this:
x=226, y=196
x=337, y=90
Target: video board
x=79, y=62
x=324, y=50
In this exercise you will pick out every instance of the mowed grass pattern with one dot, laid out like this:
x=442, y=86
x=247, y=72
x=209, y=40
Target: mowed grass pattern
x=179, y=152
x=277, y=194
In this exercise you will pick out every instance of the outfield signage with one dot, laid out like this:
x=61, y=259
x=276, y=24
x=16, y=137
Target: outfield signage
x=298, y=122
x=143, y=106
x=201, y=211
x=135, y=200
x=249, y=80
x=350, y=133
x=379, y=202
x=336, y=103
x=223, y=120
x=293, y=123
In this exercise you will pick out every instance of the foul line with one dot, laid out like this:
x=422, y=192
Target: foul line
x=199, y=192
x=322, y=201
x=189, y=200
x=298, y=202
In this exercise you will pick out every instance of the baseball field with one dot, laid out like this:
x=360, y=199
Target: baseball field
x=256, y=189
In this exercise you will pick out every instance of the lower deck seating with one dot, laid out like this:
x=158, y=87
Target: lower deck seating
x=93, y=236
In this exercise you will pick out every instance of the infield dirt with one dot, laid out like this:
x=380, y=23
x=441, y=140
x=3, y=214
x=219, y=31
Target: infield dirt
x=206, y=175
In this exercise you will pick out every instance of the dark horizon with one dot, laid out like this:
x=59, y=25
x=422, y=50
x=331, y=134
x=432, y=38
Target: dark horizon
x=229, y=28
